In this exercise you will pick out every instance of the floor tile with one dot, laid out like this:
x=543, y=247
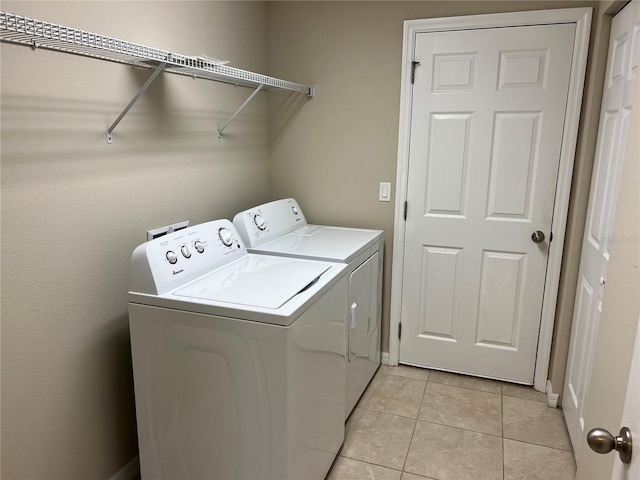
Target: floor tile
x=524, y=461
x=458, y=434
x=523, y=391
x=349, y=469
x=463, y=408
x=407, y=371
x=476, y=383
x=378, y=438
x=448, y=453
x=411, y=476
x=394, y=394
x=533, y=422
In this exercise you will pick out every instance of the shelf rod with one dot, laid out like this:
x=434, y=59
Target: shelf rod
x=255, y=92
x=149, y=81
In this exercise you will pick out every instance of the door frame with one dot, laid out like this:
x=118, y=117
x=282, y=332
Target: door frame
x=582, y=18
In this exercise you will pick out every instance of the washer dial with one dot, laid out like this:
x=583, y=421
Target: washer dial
x=186, y=252
x=226, y=236
x=171, y=256
x=199, y=246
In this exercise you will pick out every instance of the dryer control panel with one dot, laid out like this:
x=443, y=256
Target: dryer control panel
x=271, y=220
x=170, y=261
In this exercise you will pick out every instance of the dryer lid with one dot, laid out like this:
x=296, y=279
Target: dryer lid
x=323, y=242
x=256, y=281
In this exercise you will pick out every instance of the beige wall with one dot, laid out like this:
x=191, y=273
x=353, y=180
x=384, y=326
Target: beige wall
x=73, y=209
x=332, y=152
x=67, y=401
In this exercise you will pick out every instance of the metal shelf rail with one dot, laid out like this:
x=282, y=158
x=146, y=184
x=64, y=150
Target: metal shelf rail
x=40, y=34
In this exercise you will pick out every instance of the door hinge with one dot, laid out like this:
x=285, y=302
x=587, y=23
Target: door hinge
x=405, y=210
x=414, y=64
x=399, y=330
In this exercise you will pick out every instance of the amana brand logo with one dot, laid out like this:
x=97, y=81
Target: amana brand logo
x=175, y=272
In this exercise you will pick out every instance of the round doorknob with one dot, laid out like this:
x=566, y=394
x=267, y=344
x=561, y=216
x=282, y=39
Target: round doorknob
x=537, y=236
x=601, y=441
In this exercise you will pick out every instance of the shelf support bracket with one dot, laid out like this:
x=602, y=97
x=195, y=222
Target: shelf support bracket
x=149, y=81
x=255, y=92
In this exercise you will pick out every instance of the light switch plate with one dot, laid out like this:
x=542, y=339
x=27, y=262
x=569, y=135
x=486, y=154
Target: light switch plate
x=384, y=195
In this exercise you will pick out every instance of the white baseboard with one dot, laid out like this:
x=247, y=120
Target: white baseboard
x=385, y=358
x=130, y=471
x=552, y=398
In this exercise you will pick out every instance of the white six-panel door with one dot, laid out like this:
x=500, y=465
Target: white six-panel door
x=486, y=133
x=621, y=72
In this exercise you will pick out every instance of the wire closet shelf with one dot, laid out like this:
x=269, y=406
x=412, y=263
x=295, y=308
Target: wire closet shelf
x=40, y=34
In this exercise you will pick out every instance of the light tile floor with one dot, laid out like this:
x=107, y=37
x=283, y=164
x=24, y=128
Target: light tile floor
x=413, y=424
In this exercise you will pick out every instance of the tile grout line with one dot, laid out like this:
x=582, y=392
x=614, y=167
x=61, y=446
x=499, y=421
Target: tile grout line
x=424, y=391
x=469, y=388
x=460, y=428
x=370, y=463
x=537, y=444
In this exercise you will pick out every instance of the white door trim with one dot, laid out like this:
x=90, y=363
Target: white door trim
x=582, y=18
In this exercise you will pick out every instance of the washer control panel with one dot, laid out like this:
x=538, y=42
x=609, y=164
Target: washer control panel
x=269, y=221
x=179, y=257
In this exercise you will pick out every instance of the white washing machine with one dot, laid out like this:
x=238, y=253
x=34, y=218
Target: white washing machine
x=238, y=359
x=280, y=228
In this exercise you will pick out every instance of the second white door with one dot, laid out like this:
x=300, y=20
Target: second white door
x=620, y=78
x=487, y=118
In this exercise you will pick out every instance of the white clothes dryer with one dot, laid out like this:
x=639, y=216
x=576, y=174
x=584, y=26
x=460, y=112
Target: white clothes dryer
x=280, y=228
x=238, y=359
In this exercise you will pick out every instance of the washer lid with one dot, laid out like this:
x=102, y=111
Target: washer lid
x=256, y=281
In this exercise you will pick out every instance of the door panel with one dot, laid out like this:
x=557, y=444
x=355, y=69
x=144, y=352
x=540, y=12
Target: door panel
x=363, y=301
x=498, y=315
x=607, y=172
x=515, y=146
x=363, y=334
x=486, y=133
x=446, y=175
x=615, y=367
x=441, y=269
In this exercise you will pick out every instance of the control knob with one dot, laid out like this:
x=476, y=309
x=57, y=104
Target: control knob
x=225, y=236
x=186, y=253
x=294, y=210
x=199, y=246
x=172, y=257
x=260, y=222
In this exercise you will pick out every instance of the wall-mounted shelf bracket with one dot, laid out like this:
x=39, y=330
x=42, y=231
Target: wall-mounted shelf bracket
x=149, y=81
x=255, y=92
x=311, y=90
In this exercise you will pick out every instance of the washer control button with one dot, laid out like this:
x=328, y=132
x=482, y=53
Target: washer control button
x=172, y=257
x=186, y=253
x=225, y=236
x=260, y=222
x=294, y=210
x=199, y=246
